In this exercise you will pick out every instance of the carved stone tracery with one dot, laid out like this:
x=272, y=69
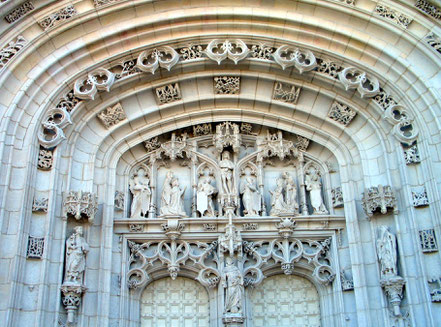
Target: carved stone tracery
x=80, y=204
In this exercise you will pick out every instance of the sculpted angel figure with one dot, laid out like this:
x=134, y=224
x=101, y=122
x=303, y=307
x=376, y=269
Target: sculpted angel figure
x=205, y=193
x=251, y=198
x=387, y=252
x=227, y=166
x=139, y=186
x=290, y=193
x=314, y=186
x=278, y=205
x=233, y=282
x=172, y=197
x=76, y=250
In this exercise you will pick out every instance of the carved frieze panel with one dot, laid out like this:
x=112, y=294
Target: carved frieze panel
x=202, y=129
x=40, y=205
x=379, y=198
x=337, y=197
x=262, y=51
x=434, y=41
x=35, y=247
x=9, y=51
x=168, y=93
x=100, y=3
x=119, y=201
x=411, y=154
x=112, y=115
x=419, y=197
x=19, y=12
x=428, y=8
x=435, y=289
x=347, y=283
x=152, y=144
x=57, y=17
x=250, y=226
x=393, y=15
x=286, y=93
x=328, y=67
x=384, y=100
x=428, y=240
x=341, y=113
x=226, y=85
x=45, y=159
x=191, y=52
x=78, y=204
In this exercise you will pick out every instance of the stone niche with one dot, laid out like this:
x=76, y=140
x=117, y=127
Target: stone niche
x=198, y=171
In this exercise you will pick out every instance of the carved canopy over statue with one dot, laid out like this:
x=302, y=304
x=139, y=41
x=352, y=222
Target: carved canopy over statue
x=227, y=171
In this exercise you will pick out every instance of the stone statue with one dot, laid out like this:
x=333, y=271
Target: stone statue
x=251, y=198
x=139, y=186
x=387, y=252
x=290, y=194
x=205, y=193
x=278, y=205
x=314, y=186
x=76, y=250
x=227, y=166
x=233, y=282
x=172, y=198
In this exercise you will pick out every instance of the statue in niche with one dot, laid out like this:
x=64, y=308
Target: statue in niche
x=314, y=186
x=387, y=252
x=278, y=205
x=232, y=280
x=251, y=198
x=205, y=194
x=290, y=193
x=139, y=186
x=227, y=167
x=76, y=250
x=172, y=197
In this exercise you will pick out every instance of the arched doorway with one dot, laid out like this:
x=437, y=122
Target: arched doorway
x=285, y=301
x=175, y=303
